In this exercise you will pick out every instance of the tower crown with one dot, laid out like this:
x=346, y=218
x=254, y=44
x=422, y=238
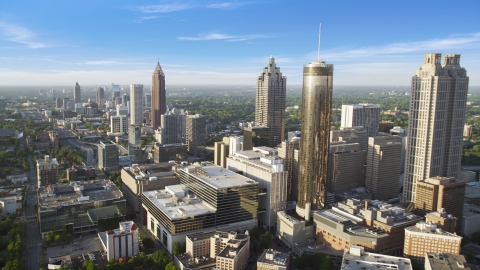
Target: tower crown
x=158, y=69
x=432, y=59
x=451, y=60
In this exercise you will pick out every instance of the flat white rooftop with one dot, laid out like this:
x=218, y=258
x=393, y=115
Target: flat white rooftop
x=176, y=207
x=219, y=177
x=368, y=260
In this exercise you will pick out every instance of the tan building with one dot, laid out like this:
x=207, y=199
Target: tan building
x=196, y=134
x=158, y=97
x=356, y=258
x=467, y=131
x=444, y=221
x=289, y=151
x=256, y=136
x=423, y=238
x=440, y=192
x=384, y=159
x=77, y=173
x=47, y=171
x=219, y=250
x=445, y=261
x=375, y=225
x=346, y=167
x=350, y=135
x=273, y=260
x=221, y=152
x=270, y=102
x=167, y=152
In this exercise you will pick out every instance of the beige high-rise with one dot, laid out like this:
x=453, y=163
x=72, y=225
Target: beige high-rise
x=77, y=94
x=435, y=126
x=270, y=102
x=158, y=98
x=136, y=110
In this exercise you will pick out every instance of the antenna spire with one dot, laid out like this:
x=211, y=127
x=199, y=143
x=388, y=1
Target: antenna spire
x=319, y=35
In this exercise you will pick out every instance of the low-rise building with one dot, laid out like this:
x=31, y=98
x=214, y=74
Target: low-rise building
x=167, y=152
x=445, y=261
x=471, y=219
x=121, y=242
x=77, y=173
x=79, y=207
x=17, y=179
x=423, y=238
x=355, y=258
x=47, y=171
x=273, y=260
x=11, y=205
x=444, y=221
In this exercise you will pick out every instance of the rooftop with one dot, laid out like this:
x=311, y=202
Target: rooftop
x=356, y=258
x=77, y=192
x=177, y=203
x=218, y=177
x=470, y=210
x=271, y=256
x=442, y=261
x=196, y=263
x=422, y=227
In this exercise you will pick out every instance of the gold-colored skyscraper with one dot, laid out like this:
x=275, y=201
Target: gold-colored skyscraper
x=159, y=101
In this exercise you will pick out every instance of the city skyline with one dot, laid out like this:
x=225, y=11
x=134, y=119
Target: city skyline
x=213, y=42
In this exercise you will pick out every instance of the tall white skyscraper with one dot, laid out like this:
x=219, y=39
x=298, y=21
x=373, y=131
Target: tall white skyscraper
x=366, y=115
x=136, y=109
x=435, y=125
x=270, y=102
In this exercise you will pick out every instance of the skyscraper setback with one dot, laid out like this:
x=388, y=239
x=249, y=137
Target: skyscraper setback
x=314, y=142
x=270, y=102
x=435, y=125
x=159, y=101
x=77, y=94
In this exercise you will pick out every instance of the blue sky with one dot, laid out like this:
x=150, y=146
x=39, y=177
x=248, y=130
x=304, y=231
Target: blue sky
x=229, y=42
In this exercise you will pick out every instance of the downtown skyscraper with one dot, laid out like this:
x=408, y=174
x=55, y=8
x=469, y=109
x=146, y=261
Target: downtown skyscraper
x=158, y=97
x=270, y=102
x=77, y=94
x=100, y=98
x=315, y=139
x=435, y=126
x=136, y=109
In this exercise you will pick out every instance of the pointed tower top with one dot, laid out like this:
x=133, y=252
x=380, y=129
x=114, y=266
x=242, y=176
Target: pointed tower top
x=158, y=68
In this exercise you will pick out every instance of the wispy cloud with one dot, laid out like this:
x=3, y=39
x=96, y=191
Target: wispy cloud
x=20, y=35
x=144, y=18
x=164, y=8
x=224, y=37
x=402, y=48
x=102, y=62
x=226, y=5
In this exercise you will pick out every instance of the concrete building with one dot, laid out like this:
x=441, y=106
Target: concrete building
x=221, y=152
x=235, y=144
x=316, y=116
x=472, y=193
x=196, y=134
x=467, y=131
x=11, y=205
x=122, y=110
x=107, y=155
x=100, y=97
x=168, y=152
x=366, y=115
x=142, y=178
x=147, y=102
x=351, y=135
x=470, y=220
x=440, y=192
x=346, y=167
x=271, y=259
x=77, y=173
x=256, y=136
x=375, y=225
x=77, y=93
x=218, y=250
x=355, y=258
x=118, y=125
x=79, y=207
x=209, y=197
x=159, y=99
x=136, y=109
x=263, y=165
x=289, y=152
x=270, y=102
x=59, y=103
x=383, y=166
x=47, y=171
x=122, y=242
x=445, y=261
x=173, y=128
x=134, y=144
x=444, y=221
x=435, y=125
x=425, y=238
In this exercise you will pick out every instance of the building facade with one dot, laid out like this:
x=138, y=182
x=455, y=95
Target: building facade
x=366, y=115
x=435, y=125
x=196, y=134
x=173, y=128
x=118, y=125
x=100, y=98
x=107, y=155
x=136, y=108
x=270, y=102
x=122, y=242
x=346, y=167
x=159, y=100
x=256, y=136
x=77, y=173
x=168, y=152
x=314, y=143
x=134, y=143
x=47, y=171
x=77, y=93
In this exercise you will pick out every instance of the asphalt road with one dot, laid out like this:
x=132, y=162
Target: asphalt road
x=33, y=241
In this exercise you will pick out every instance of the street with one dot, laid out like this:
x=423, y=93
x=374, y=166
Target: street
x=33, y=242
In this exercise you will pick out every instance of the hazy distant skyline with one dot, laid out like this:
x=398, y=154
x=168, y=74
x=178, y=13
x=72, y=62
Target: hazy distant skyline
x=219, y=42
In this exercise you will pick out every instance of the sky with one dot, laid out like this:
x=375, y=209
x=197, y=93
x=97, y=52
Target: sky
x=215, y=42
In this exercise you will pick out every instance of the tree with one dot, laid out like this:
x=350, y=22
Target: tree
x=266, y=241
x=148, y=243
x=160, y=259
x=171, y=266
x=57, y=238
x=177, y=248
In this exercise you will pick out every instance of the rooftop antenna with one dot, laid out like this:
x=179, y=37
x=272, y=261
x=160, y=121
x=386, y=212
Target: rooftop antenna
x=319, y=35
